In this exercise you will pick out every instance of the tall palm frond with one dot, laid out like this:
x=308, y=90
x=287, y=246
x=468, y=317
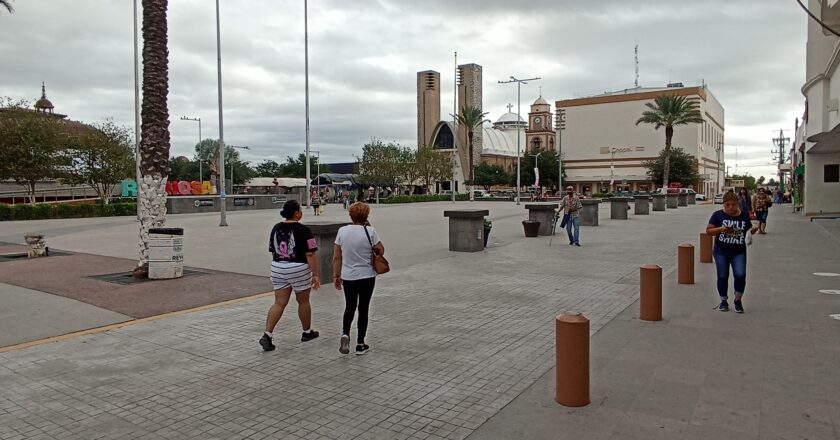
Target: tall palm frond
x=8, y=5
x=471, y=118
x=668, y=111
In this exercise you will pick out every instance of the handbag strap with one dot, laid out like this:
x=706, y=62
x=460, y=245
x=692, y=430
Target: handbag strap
x=369, y=240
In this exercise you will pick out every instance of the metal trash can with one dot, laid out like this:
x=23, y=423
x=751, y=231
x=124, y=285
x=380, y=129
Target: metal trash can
x=166, y=253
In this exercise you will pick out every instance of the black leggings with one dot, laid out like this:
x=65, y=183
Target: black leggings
x=357, y=292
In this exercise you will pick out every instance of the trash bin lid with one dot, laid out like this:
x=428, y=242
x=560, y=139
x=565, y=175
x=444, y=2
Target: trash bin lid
x=167, y=231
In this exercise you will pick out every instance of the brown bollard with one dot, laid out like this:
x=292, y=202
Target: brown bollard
x=572, y=350
x=650, y=292
x=685, y=263
x=706, y=241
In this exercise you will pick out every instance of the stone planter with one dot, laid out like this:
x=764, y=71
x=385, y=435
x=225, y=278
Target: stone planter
x=532, y=228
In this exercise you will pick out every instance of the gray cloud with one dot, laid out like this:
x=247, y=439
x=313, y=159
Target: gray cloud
x=364, y=56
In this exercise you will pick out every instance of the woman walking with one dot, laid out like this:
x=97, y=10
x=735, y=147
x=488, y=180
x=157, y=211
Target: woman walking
x=761, y=203
x=293, y=268
x=731, y=227
x=744, y=201
x=352, y=269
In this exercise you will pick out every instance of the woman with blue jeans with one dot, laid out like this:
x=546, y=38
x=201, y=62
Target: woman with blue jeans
x=730, y=227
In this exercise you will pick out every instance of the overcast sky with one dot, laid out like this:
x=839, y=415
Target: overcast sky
x=364, y=55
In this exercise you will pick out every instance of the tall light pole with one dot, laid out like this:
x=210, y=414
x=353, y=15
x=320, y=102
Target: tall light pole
x=222, y=201
x=454, y=126
x=519, y=83
x=136, y=111
x=306, y=92
x=317, y=172
x=231, y=166
x=559, y=126
x=200, y=174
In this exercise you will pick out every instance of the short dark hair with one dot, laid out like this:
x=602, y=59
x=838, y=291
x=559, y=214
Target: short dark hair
x=289, y=209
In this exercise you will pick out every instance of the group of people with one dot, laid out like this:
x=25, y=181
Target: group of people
x=294, y=268
x=733, y=228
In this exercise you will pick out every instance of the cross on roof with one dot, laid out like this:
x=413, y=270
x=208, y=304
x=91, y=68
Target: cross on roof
x=509, y=107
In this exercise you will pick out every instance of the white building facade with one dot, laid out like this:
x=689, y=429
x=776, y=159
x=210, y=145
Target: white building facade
x=604, y=150
x=822, y=116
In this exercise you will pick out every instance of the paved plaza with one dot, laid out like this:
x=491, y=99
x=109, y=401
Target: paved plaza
x=462, y=344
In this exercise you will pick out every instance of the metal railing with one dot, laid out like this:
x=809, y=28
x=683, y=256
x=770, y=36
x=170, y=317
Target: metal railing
x=43, y=195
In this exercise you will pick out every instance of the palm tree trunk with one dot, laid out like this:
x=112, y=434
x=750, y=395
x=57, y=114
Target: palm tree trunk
x=470, y=141
x=154, y=143
x=666, y=161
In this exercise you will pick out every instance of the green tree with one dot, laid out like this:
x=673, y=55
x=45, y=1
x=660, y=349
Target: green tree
x=772, y=182
x=101, y=158
x=268, y=168
x=761, y=180
x=432, y=165
x=182, y=168
x=749, y=181
x=380, y=163
x=668, y=111
x=683, y=168
x=409, y=171
x=545, y=160
x=32, y=147
x=471, y=118
x=154, y=141
x=208, y=151
x=296, y=166
x=487, y=175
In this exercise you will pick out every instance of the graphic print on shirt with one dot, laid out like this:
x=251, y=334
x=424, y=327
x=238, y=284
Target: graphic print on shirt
x=284, y=243
x=737, y=234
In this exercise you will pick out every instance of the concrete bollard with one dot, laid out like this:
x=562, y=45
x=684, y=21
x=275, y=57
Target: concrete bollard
x=658, y=202
x=685, y=263
x=572, y=351
x=672, y=200
x=706, y=242
x=650, y=292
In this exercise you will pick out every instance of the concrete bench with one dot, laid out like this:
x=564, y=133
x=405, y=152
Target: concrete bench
x=466, y=229
x=543, y=213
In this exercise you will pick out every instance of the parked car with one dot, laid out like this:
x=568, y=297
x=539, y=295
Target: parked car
x=479, y=193
x=700, y=197
x=718, y=199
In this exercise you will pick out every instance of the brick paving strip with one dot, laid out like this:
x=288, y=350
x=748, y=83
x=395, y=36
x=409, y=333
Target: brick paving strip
x=454, y=341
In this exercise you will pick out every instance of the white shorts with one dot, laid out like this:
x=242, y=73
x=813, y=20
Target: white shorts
x=295, y=275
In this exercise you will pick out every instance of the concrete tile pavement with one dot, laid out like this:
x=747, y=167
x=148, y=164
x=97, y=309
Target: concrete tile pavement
x=767, y=374
x=456, y=340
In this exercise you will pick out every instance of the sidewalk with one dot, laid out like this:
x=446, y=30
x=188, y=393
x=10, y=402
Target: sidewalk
x=771, y=373
x=461, y=343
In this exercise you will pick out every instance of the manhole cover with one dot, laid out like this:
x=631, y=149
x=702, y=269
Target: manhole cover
x=126, y=278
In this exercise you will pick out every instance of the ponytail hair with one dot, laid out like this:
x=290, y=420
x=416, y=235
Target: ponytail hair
x=289, y=209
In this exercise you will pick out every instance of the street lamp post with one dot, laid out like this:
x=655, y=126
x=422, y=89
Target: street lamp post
x=612, y=168
x=223, y=213
x=306, y=91
x=519, y=83
x=200, y=173
x=317, y=171
x=136, y=111
x=717, y=180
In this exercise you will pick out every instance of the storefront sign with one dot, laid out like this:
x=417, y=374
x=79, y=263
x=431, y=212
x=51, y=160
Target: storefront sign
x=278, y=200
x=243, y=201
x=203, y=203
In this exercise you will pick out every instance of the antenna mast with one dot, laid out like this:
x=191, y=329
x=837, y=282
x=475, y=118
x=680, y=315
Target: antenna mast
x=637, y=65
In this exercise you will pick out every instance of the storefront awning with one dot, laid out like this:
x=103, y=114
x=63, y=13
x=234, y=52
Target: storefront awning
x=825, y=142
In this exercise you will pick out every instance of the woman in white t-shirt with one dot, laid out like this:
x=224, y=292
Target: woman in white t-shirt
x=352, y=269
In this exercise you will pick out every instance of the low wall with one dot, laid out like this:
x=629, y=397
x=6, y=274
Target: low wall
x=234, y=202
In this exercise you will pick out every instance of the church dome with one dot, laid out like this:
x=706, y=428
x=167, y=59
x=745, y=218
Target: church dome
x=509, y=118
x=44, y=103
x=540, y=101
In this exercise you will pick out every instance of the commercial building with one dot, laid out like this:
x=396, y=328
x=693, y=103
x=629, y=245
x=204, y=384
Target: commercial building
x=604, y=150
x=822, y=115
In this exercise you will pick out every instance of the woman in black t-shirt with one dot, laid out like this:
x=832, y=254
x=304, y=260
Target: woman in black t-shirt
x=732, y=228
x=293, y=268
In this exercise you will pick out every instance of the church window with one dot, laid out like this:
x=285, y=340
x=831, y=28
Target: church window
x=536, y=143
x=444, y=139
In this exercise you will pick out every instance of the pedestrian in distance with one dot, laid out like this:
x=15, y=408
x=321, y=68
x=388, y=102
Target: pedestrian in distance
x=744, y=200
x=733, y=231
x=294, y=268
x=353, y=270
x=760, y=205
x=572, y=206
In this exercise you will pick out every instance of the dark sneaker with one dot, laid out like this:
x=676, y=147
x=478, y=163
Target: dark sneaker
x=739, y=308
x=265, y=341
x=723, y=306
x=344, y=348
x=577, y=244
x=571, y=243
x=308, y=336
x=362, y=349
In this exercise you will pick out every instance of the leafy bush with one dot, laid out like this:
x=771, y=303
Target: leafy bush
x=602, y=195
x=45, y=211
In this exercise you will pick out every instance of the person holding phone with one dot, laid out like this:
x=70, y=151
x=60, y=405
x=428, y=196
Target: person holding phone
x=733, y=230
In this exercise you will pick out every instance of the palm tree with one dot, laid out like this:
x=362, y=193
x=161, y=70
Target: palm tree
x=471, y=118
x=7, y=4
x=668, y=111
x=154, y=128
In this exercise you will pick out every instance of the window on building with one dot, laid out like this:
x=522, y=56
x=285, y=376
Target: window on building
x=831, y=173
x=536, y=143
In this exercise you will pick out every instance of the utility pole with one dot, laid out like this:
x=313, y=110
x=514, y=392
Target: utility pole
x=560, y=124
x=780, y=142
x=519, y=83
